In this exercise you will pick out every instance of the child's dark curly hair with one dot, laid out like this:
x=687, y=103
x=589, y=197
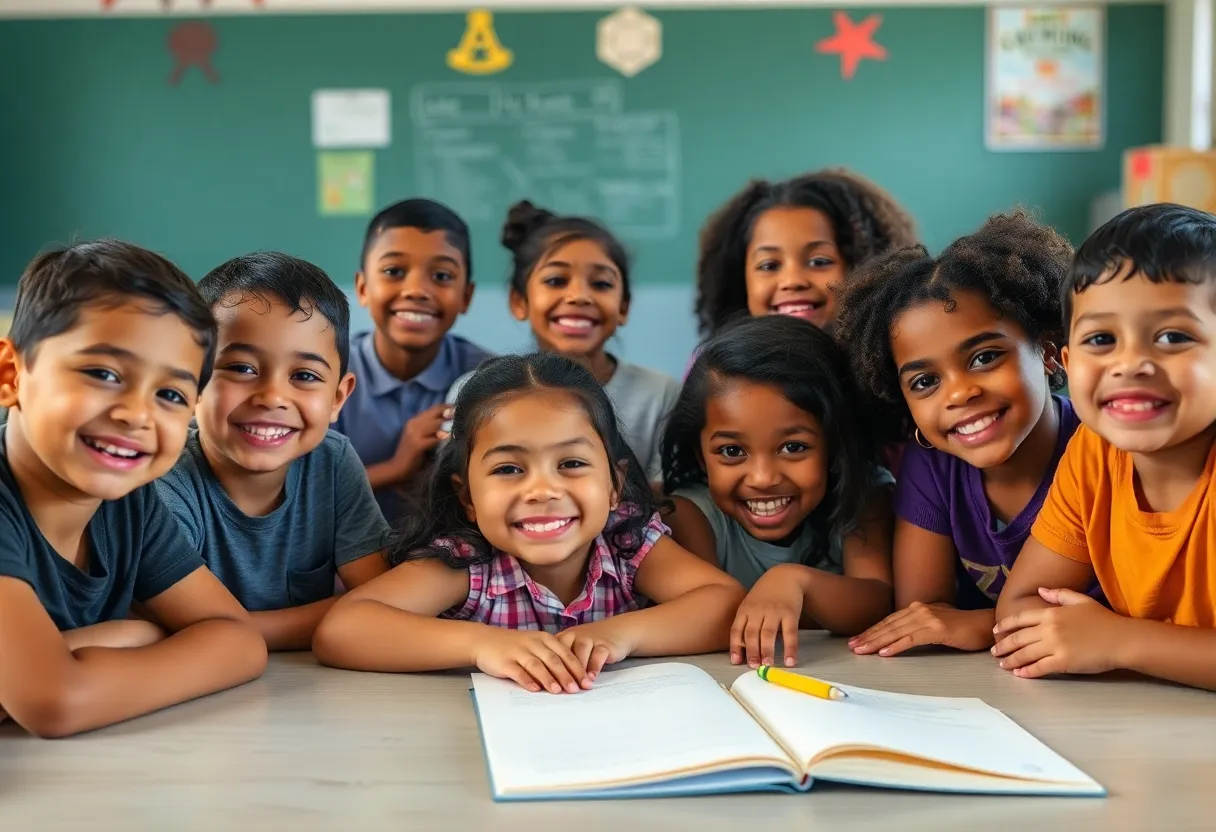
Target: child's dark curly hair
x=866, y=219
x=1017, y=264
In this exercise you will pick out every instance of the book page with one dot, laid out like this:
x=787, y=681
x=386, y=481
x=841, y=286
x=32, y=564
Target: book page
x=965, y=733
x=634, y=726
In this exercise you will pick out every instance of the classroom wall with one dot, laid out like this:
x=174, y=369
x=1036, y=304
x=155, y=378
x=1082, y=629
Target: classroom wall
x=95, y=141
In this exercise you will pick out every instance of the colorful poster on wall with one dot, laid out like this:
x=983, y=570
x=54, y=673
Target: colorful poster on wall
x=1046, y=78
x=345, y=182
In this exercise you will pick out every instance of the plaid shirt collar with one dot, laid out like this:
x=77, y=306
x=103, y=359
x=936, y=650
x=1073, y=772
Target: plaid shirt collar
x=507, y=575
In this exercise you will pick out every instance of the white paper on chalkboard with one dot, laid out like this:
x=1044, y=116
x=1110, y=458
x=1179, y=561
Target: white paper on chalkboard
x=351, y=118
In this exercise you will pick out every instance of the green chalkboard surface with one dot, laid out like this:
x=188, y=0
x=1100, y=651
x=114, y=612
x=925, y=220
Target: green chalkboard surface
x=95, y=140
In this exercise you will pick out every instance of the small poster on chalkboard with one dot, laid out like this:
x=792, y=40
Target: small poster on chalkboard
x=1046, y=78
x=351, y=118
x=345, y=182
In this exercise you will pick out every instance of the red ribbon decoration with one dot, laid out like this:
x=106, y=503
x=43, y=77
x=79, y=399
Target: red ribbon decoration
x=193, y=44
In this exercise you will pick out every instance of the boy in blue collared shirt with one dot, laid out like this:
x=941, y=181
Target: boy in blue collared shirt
x=416, y=280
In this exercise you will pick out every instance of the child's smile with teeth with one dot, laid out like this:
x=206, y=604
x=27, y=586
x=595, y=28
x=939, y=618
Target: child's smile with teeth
x=545, y=526
x=113, y=450
x=978, y=425
x=769, y=507
x=416, y=317
x=267, y=432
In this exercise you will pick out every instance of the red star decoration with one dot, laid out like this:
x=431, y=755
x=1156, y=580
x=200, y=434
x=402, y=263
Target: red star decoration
x=853, y=42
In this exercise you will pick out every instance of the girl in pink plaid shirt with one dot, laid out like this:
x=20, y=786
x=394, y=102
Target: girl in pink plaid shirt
x=534, y=551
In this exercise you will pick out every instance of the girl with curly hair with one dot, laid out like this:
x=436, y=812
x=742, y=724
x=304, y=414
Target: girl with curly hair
x=784, y=247
x=965, y=347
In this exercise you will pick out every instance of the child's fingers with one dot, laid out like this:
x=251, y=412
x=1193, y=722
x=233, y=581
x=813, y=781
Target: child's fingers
x=908, y=637
x=769, y=628
x=563, y=650
x=885, y=637
x=581, y=648
x=880, y=632
x=521, y=677
x=1016, y=640
x=736, y=638
x=1046, y=666
x=1019, y=620
x=1028, y=655
x=789, y=636
x=751, y=640
x=566, y=669
x=540, y=671
x=598, y=658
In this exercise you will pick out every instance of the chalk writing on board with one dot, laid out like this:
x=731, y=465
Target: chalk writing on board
x=571, y=146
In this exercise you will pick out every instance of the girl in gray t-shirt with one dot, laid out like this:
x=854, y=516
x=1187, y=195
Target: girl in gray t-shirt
x=773, y=470
x=570, y=283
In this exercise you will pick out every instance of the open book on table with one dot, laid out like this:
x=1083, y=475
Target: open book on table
x=670, y=729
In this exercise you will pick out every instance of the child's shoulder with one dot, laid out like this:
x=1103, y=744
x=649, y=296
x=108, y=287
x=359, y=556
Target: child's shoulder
x=464, y=355
x=190, y=476
x=633, y=382
x=635, y=374
x=335, y=453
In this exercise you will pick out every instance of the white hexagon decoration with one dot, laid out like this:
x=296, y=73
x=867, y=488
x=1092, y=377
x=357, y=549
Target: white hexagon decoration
x=629, y=40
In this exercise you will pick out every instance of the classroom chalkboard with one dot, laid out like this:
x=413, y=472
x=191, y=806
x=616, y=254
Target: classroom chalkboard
x=94, y=140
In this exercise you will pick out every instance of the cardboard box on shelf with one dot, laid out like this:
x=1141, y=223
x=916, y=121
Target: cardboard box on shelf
x=1170, y=174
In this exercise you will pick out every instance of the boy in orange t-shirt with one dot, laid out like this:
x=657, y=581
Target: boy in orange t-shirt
x=1134, y=499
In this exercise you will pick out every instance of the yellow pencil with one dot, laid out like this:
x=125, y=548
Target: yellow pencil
x=798, y=682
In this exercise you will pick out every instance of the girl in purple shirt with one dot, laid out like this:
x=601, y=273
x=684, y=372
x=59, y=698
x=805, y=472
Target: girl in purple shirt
x=965, y=347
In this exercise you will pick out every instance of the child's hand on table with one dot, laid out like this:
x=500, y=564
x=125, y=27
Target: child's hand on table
x=536, y=660
x=922, y=624
x=774, y=605
x=1074, y=635
x=595, y=645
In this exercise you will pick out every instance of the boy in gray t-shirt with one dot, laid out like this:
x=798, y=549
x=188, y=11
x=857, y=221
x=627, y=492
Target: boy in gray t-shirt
x=277, y=504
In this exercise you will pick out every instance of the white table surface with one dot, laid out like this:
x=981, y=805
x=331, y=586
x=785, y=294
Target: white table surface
x=307, y=747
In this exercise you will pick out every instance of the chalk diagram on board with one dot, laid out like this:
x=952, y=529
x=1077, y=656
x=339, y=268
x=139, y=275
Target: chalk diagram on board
x=570, y=146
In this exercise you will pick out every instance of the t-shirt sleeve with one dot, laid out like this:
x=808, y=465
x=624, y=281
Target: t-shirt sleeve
x=185, y=504
x=360, y=528
x=919, y=498
x=699, y=496
x=165, y=556
x=1060, y=525
x=14, y=548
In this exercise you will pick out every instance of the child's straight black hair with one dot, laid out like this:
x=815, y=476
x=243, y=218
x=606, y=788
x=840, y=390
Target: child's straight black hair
x=60, y=284
x=300, y=285
x=435, y=512
x=1013, y=262
x=808, y=369
x=1163, y=242
x=426, y=215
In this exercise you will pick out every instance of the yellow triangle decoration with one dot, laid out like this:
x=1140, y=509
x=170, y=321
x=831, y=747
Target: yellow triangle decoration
x=480, y=52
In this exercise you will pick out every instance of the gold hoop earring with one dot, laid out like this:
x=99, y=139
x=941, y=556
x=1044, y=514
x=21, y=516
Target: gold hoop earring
x=920, y=440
